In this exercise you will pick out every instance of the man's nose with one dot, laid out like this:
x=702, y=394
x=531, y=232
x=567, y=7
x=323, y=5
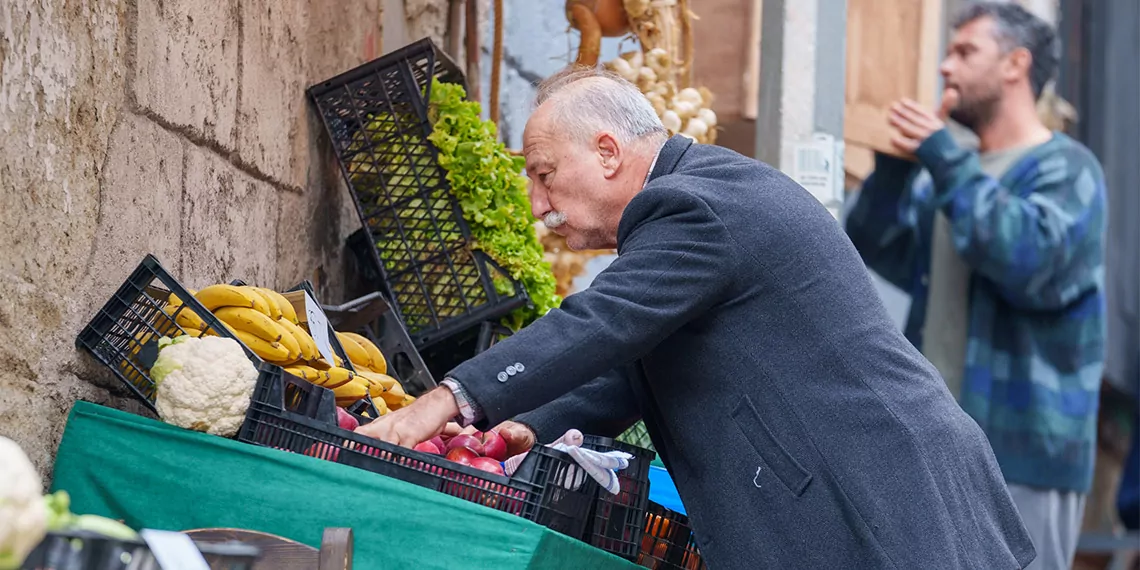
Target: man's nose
x=539, y=206
x=944, y=68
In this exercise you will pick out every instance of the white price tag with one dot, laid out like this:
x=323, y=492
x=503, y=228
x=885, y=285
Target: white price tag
x=319, y=328
x=174, y=550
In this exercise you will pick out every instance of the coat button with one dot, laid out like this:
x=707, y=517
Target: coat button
x=519, y=367
x=511, y=370
x=925, y=280
x=502, y=377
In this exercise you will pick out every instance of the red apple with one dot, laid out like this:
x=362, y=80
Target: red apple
x=322, y=450
x=427, y=447
x=461, y=455
x=494, y=446
x=438, y=442
x=469, y=441
x=345, y=420
x=487, y=464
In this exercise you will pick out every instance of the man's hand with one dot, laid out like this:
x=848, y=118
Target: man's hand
x=915, y=124
x=422, y=420
x=519, y=438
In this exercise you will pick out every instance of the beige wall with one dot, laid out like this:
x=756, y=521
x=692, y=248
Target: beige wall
x=175, y=127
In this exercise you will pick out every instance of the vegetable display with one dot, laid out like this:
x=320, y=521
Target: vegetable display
x=27, y=515
x=492, y=191
x=267, y=323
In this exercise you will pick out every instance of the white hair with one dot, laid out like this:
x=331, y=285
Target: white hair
x=586, y=100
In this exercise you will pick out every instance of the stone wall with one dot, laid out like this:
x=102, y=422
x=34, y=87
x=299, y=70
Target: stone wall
x=173, y=127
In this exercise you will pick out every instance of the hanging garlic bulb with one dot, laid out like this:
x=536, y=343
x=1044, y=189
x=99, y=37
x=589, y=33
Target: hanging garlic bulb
x=622, y=68
x=696, y=128
x=684, y=109
x=646, y=77
x=658, y=60
x=658, y=102
x=708, y=116
x=691, y=95
x=671, y=121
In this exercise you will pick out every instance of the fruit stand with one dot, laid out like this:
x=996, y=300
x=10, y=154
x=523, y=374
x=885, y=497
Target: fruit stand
x=153, y=475
x=257, y=391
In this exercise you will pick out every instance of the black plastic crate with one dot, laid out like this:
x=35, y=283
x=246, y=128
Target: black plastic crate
x=80, y=550
x=377, y=119
x=452, y=351
x=124, y=334
x=290, y=414
x=617, y=521
x=668, y=542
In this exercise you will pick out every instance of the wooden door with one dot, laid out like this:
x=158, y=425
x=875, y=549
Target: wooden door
x=893, y=51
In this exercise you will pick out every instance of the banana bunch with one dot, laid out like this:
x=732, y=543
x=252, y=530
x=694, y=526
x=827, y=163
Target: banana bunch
x=266, y=323
x=371, y=365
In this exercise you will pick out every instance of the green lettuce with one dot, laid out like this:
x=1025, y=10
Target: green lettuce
x=491, y=189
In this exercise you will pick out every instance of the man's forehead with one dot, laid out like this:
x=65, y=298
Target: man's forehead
x=974, y=32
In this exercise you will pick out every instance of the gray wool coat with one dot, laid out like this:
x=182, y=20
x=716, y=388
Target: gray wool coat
x=801, y=428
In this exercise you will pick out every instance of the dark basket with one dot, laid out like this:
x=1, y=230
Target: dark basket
x=290, y=414
x=456, y=349
x=617, y=521
x=124, y=334
x=77, y=550
x=668, y=542
x=376, y=117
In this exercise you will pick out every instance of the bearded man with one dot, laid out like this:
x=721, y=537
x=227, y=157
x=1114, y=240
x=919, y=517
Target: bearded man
x=801, y=428
x=1001, y=252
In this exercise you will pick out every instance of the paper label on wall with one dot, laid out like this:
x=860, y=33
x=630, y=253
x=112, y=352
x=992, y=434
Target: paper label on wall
x=319, y=328
x=174, y=550
x=817, y=167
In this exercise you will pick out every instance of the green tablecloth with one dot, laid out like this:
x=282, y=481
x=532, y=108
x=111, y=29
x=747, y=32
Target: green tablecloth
x=158, y=476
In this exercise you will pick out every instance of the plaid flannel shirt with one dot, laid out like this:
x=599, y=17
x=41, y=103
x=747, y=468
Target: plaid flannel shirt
x=1034, y=243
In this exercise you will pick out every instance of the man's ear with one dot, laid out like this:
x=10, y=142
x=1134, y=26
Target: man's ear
x=1018, y=64
x=609, y=153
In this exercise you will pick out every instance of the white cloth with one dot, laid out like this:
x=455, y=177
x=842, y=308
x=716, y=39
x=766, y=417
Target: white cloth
x=1053, y=519
x=602, y=467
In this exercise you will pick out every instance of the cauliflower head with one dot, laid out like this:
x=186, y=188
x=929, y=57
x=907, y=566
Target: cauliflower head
x=23, y=518
x=203, y=384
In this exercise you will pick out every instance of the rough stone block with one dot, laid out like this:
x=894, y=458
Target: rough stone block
x=341, y=39
x=140, y=206
x=186, y=65
x=272, y=125
x=229, y=223
x=315, y=224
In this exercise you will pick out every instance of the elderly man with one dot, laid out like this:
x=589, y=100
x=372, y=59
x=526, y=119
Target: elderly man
x=1001, y=252
x=801, y=428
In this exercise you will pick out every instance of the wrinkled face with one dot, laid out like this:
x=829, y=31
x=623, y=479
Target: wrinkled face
x=574, y=188
x=976, y=67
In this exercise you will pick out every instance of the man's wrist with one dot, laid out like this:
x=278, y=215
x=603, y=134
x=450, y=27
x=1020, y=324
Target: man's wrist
x=466, y=410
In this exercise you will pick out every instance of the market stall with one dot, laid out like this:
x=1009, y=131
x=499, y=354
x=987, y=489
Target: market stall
x=256, y=392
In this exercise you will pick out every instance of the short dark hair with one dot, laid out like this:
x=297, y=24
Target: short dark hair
x=1016, y=27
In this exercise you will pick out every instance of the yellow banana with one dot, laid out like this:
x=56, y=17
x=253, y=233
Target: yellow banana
x=217, y=296
x=283, y=304
x=250, y=321
x=351, y=391
x=289, y=341
x=274, y=311
x=308, y=373
x=269, y=351
x=173, y=302
x=339, y=376
x=356, y=353
x=394, y=396
x=382, y=379
x=375, y=388
x=306, y=342
x=187, y=318
x=379, y=363
x=192, y=331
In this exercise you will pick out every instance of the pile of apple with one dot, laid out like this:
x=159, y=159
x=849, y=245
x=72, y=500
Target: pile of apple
x=482, y=450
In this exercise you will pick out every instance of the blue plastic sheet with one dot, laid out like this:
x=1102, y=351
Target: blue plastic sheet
x=662, y=490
